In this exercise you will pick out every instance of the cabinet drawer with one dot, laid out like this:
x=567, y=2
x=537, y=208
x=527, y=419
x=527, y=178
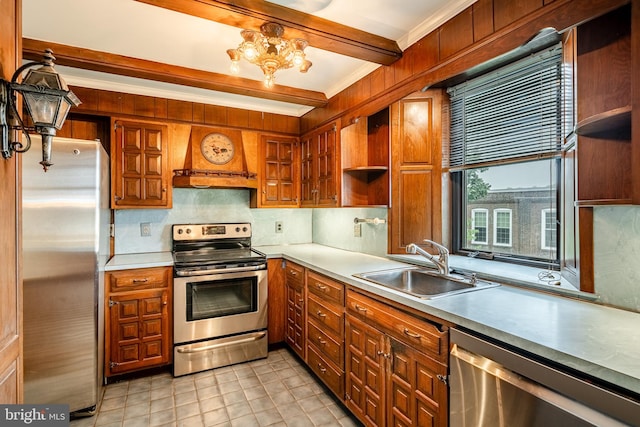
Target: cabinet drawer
x=325, y=288
x=329, y=347
x=333, y=378
x=326, y=316
x=143, y=278
x=418, y=333
x=294, y=274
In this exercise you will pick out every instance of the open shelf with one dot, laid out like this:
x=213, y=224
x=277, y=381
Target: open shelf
x=365, y=161
x=367, y=169
x=612, y=124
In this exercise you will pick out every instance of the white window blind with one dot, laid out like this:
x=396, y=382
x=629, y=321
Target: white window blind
x=510, y=114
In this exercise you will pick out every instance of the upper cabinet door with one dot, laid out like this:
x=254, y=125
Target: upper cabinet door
x=140, y=166
x=279, y=180
x=416, y=170
x=319, y=164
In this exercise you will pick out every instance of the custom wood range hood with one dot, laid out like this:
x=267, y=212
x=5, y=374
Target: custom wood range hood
x=218, y=158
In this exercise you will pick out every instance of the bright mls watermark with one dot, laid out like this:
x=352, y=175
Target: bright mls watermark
x=34, y=415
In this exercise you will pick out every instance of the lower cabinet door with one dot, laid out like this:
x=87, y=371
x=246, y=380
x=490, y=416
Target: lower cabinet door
x=138, y=331
x=417, y=391
x=365, y=372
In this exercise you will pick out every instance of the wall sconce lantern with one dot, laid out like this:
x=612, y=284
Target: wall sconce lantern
x=48, y=100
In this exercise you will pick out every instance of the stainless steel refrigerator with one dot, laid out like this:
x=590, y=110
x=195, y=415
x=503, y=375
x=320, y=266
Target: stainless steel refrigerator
x=65, y=239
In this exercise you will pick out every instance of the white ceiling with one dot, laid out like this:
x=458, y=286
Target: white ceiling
x=139, y=30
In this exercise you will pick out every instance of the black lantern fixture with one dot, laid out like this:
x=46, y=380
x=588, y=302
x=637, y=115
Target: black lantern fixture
x=47, y=99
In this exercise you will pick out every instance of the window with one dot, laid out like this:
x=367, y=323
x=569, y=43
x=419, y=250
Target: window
x=504, y=159
x=548, y=230
x=502, y=227
x=479, y=223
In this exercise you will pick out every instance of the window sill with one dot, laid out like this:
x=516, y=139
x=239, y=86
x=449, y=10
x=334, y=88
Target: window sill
x=503, y=273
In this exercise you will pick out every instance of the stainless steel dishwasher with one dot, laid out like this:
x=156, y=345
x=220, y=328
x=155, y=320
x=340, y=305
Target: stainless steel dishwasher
x=493, y=386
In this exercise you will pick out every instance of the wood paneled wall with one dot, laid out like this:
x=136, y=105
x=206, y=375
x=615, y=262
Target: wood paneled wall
x=108, y=103
x=10, y=279
x=483, y=31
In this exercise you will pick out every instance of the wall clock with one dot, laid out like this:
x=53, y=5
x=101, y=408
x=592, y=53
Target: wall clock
x=217, y=148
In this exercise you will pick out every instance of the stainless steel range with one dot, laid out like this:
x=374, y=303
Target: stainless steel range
x=220, y=297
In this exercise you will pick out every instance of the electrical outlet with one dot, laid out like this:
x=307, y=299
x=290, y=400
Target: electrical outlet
x=145, y=229
x=357, y=230
x=278, y=226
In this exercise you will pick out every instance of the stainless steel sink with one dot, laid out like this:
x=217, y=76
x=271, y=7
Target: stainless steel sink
x=425, y=283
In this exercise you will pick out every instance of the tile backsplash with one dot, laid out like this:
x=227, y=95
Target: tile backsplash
x=331, y=227
x=616, y=236
x=616, y=233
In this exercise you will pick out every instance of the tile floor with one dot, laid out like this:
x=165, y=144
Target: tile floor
x=276, y=391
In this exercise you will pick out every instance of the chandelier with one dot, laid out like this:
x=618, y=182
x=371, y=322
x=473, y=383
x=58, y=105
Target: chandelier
x=269, y=51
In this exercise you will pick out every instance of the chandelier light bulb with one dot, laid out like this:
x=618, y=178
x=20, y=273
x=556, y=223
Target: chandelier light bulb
x=235, y=67
x=269, y=80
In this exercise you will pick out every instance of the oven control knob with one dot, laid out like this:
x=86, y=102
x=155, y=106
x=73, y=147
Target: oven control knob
x=244, y=229
x=188, y=231
x=237, y=229
x=180, y=231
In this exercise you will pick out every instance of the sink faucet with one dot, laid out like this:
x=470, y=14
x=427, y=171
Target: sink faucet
x=442, y=262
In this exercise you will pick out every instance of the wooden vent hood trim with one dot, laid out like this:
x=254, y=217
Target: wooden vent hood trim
x=198, y=178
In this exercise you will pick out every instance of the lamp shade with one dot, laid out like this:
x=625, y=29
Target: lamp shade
x=47, y=97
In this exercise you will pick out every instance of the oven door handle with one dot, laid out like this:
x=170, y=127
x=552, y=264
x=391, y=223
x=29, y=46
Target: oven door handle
x=220, y=270
x=254, y=337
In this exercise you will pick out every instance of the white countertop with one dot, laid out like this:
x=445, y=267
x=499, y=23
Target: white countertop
x=139, y=260
x=602, y=341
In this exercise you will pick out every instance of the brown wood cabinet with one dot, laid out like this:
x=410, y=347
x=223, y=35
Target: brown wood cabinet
x=325, y=330
x=138, y=319
x=279, y=172
x=140, y=175
x=296, y=326
x=277, y=300
x=365, y=161
x=416, y=170
x=396, y=365
x=597, y=157
x=318, y=166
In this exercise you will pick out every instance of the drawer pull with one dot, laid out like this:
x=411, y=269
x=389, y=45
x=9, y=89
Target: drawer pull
x=145, y=280
x=321, y=341
x=300, y=301
x=362, y=309
x=321, y=314
x=321, y=287
x=411, y=334
x=322, y=369
x=293, y=272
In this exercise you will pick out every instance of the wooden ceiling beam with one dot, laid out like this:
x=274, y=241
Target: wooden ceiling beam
x=133, y=67
x=319, y=32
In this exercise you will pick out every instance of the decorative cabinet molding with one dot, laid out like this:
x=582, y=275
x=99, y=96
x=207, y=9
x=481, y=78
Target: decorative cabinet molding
x=296, y=325
x=396, y=365
x=416, y=170
x=137, y=319
x=279, y=175
x=140, y=175
x=319, y=160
